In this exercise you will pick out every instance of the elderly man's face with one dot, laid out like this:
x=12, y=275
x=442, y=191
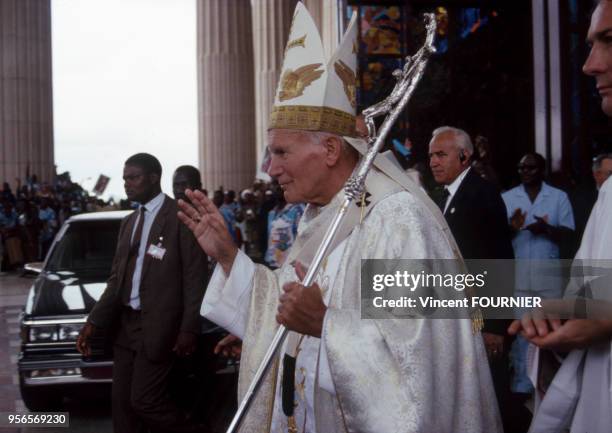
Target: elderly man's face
x=445, y=158
x=599, y=62
x=298, y=164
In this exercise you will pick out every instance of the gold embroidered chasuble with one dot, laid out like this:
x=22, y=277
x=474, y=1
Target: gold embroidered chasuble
x=373, y=376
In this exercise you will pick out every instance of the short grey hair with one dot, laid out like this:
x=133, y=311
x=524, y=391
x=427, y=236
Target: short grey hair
x=318, y=137
x=599, y=159
x=462, y=138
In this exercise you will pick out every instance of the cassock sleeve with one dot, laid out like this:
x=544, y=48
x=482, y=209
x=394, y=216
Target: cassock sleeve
x=227, y=303
x=227, y=299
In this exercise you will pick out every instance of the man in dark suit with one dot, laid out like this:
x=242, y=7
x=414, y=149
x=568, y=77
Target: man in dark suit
x=476, y=215
x=153, y=298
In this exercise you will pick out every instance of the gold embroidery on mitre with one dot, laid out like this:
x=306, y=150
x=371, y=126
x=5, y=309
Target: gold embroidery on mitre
x=349, y=79
x=311, y=118
x=299, y=42
x=354, y=47
x=293, y=83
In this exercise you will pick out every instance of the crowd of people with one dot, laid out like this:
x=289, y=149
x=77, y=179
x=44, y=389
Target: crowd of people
x=261, y=222
x=32, y=213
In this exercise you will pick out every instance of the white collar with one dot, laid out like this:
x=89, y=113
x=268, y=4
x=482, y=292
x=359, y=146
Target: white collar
x=455, y=184
x=154, y=204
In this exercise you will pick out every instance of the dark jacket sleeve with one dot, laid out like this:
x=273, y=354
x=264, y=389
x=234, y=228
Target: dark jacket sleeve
x=108, y=306
x=499, y=235
x=499, y=230
x=194, y=268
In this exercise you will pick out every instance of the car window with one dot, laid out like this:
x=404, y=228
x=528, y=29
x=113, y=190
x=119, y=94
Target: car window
x=86, y=249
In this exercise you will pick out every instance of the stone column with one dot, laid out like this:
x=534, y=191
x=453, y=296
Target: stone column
x=225, y=94
x=271, y=25
x=26, y=105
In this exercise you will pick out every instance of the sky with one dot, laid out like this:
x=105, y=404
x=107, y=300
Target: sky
x=124, y=81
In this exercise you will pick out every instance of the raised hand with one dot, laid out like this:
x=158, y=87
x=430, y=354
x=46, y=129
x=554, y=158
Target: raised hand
x=206, y=223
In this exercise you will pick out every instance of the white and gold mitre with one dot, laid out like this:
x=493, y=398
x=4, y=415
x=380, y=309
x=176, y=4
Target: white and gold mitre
x=315, y=94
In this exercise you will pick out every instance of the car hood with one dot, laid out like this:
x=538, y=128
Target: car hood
x=62, y=293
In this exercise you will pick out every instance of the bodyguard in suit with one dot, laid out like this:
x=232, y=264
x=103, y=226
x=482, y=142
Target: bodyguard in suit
x=152, y=298
x=476, y=215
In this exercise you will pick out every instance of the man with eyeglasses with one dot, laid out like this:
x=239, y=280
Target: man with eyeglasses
x=541, y=218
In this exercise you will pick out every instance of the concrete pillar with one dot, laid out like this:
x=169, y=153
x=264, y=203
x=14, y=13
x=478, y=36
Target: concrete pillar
x=271, y=25
x=226, y=101
x=26, y=104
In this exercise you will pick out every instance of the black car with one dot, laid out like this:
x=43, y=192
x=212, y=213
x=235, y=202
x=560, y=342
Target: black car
x=69, y=283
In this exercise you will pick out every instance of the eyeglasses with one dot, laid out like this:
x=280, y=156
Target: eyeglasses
x=527, y=167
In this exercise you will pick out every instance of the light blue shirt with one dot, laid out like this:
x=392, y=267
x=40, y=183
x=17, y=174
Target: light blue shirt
x=151, y=210
x=554, y=206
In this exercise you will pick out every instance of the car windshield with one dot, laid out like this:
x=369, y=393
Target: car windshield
x=86, y=249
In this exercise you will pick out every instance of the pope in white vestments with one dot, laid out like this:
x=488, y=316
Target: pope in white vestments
x=387, y=375
x=401, y=375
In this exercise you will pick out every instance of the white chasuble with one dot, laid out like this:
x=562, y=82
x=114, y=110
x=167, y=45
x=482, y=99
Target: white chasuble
x=388, y=375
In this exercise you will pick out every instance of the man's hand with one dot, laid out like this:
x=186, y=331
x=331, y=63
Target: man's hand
x=82, y=343
x=544, y=328
x=540, y=227
x=185, y=344
x=494, y=344
x=575, y=334
x=208, y=226
x=229, y=346
x=517, y=219
x=535, y=323
x=301, y=309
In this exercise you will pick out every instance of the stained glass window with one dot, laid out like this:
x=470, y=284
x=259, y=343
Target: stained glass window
x=480, y=79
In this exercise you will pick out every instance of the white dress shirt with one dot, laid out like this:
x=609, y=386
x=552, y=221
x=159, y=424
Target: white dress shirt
x=453, y=187
x=152, y=208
